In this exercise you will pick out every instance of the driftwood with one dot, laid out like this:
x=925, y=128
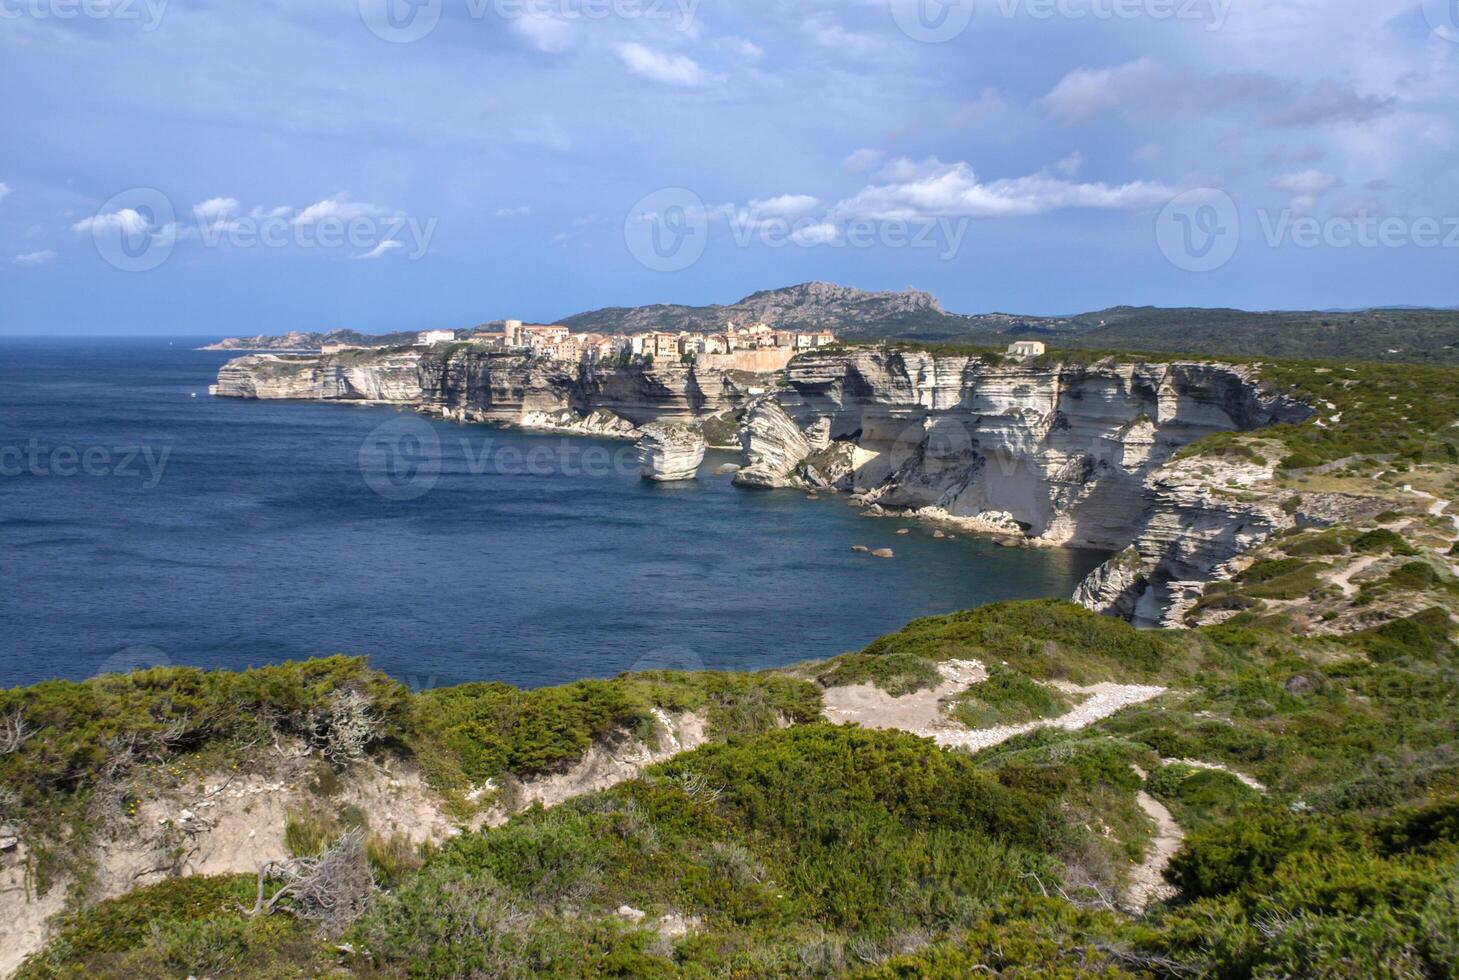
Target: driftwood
x=331, y=889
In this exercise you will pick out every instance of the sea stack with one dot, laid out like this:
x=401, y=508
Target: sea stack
x=669, y=453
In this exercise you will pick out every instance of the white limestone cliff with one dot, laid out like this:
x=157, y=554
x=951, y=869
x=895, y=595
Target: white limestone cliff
x=1063, y=453
x=670, y=453
x=773, y=446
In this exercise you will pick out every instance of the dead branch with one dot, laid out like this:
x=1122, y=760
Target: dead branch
x=14, y=733
x=331, y=889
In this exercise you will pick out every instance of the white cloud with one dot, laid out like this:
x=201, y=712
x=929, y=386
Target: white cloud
x=217, y=214
x=1086, y=92
x=34, y=258
x=4, y=190
x=1146, y=87
x=784, y=206
x=545, y=32
x=931, y=189
x=819, y=234
x=520, y=212
x=671, y=69
x=1070, y=165
x=338, y=209
x=216, y=207
x=126, y=221
x=1307, y=183
x=389, y=245
x=828, y=34
x=1330, y=102
x=862, y=161
x=742, y=48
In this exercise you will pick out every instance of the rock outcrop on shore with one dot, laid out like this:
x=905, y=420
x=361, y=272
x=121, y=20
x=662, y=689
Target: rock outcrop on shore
x=669, y=453
x=773, y=446
x=1056, y=453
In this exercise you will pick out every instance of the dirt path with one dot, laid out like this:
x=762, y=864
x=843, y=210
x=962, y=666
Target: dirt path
x=1147, y=879
x=923, y=713
x=1344, y=579
x=1240, y=777
x=920, y=713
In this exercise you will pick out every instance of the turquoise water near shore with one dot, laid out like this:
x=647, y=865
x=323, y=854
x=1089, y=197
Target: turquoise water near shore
x=146, y=522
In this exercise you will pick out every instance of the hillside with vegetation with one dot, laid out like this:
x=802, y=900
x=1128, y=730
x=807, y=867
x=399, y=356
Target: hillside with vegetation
x=1316, y=782
x=1026, y=789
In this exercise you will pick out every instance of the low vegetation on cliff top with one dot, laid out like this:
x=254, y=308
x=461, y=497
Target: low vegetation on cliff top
x=1361, y=408
x=821, y=851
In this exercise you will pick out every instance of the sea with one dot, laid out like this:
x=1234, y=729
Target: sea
x=143, y=522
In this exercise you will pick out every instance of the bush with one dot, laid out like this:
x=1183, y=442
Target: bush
x=1381, y=540
x=1008, y=697
x=1046, y=639
x=896, y=673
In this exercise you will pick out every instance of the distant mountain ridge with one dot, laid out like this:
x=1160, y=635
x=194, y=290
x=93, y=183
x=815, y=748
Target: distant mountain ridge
x=1395, y=333
x=811, y=305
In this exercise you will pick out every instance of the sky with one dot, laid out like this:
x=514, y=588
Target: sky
x=204, y=167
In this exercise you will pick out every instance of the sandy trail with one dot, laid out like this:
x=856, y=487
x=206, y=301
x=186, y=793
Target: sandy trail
x=1147, y=879
x=1344, y=578
x=923, y=713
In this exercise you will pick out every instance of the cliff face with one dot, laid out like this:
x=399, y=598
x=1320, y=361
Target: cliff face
x=1069, y=454
x=1064, y=448
x=1077, y=455
x=385, y=377
x=669, y=453
x=480, y=385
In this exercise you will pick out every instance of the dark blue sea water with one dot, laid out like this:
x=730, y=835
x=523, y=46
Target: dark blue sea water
x=142, y=521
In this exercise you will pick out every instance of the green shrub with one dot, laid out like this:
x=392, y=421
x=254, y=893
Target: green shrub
x=211, y=946
x=1046, y=639
x=1317, y=545
x=1382, y=540
x=1008, y=697
x=1424, y=635
x=897, y=673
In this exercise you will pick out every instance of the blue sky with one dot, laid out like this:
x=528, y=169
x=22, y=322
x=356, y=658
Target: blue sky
x=190, y=167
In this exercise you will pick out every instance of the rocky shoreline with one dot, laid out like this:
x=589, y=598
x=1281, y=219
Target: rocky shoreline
x=1040, y=453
